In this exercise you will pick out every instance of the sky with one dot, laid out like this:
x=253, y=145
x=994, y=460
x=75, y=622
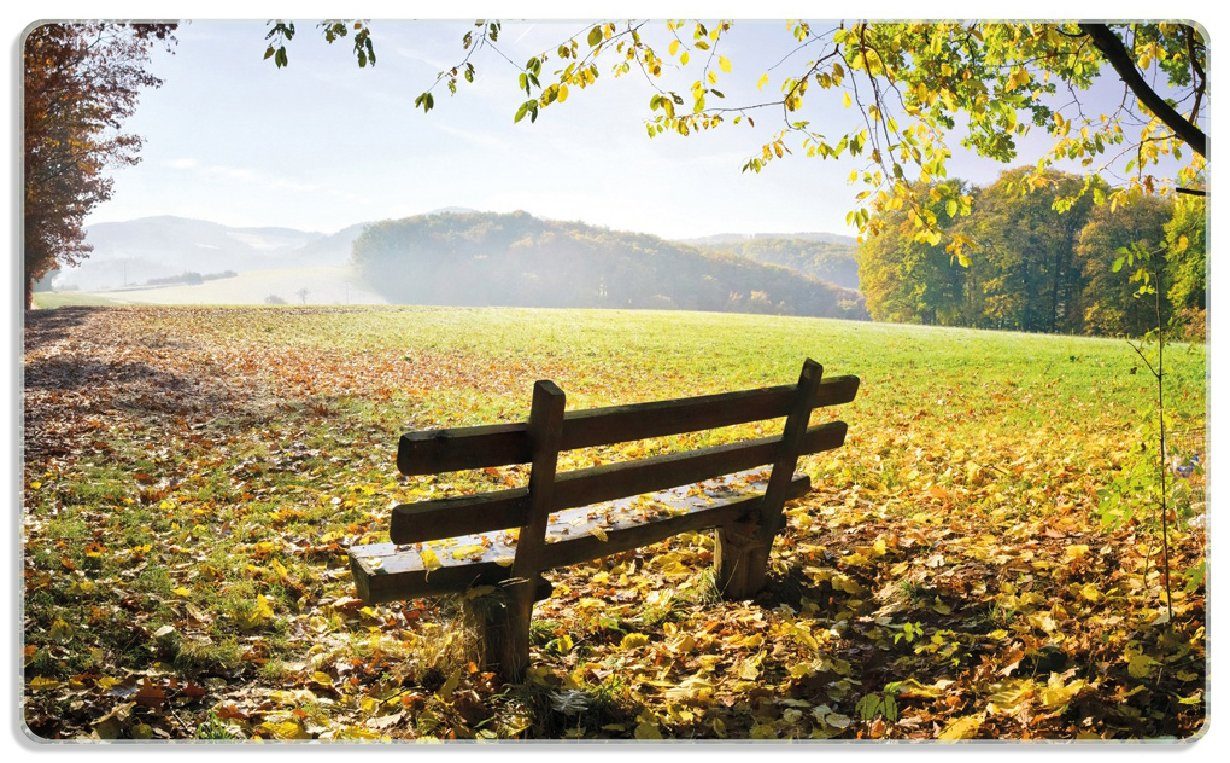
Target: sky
x=323, y=144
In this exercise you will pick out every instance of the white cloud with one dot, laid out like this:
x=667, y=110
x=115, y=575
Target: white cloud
x=244, y=175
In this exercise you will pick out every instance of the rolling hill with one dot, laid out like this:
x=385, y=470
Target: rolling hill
x=517, y=259
x=455, y=255
x=132, y=252
x=825, y=256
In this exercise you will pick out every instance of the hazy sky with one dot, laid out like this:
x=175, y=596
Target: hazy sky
x=323, y=144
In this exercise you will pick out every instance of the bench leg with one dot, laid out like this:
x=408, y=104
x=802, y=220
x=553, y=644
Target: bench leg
x=500, y=623
x=741, y=561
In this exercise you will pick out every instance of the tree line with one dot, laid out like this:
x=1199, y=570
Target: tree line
x=1024, y=267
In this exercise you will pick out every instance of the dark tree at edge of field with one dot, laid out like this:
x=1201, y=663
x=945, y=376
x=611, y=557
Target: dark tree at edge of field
x=81, y=82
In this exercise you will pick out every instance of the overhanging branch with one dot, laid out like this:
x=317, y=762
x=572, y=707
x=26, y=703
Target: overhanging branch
x=1113, y=50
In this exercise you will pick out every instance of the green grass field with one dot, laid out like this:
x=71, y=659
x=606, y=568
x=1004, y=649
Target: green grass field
x=979, y=560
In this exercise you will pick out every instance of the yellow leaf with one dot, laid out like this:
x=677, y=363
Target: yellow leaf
x=599, y=533
x=285, y=730
x=1075, y=551
x=461, y=552
x=1009, y=697
x=673, y=48
x=724, y=63
x=1139, y=664
x=430, y=560
x=962, y=728
x=1057, y=693
x=845, y=99
x=633, y=640
x=261, y=614
x=764, y=80
x=321, y=678
x=750, y=671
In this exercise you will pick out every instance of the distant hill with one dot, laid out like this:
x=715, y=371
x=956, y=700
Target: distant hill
x=517, y=259
x=132, y=252
x=316, y=285
x=734, y=238
x=826, y=256
x=135, y=251
x=552, y=262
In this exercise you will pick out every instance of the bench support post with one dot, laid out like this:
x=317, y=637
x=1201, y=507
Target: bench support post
x=494, y=626
x=740, y=560
x=742, y=552
x=506, y=630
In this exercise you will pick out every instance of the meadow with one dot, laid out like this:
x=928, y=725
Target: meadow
x=981, y=559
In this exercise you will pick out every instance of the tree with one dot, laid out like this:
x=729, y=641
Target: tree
x=909, y=281
x=1032, y=270
x=1187, y=266
x=1024, y=259
x=81, y=82
x=908, y=86
x=1136, y=222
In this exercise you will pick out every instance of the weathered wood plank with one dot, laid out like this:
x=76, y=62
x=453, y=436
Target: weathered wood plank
x=610, y=481
x=458, y=515
x=431, y=520
x=546, y=426
x=386, y=572
x=444, y=450
x=626, y=538
x=790, y=447
x=431, y=451
x=742, y=558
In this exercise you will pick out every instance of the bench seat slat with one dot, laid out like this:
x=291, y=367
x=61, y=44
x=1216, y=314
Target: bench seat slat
x=445, y=450
x=388, y=572
x=429, y=520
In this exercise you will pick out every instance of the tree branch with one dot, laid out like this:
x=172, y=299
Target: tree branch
x=1117, y=56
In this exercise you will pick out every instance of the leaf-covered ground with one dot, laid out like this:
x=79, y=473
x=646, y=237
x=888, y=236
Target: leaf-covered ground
x=980, y=560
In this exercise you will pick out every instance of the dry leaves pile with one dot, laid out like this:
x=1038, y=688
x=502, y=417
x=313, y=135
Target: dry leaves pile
x=194, y=477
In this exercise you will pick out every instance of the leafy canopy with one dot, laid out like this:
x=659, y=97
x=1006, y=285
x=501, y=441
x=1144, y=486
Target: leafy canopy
x=910, y=88
x=81, y=82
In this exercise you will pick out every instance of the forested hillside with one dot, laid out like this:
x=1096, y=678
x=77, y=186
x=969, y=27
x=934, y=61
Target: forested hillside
x=519, y=260
x=833, y=259
x=1032, y=268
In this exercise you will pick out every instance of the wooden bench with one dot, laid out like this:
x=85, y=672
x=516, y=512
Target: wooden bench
x=576, y=516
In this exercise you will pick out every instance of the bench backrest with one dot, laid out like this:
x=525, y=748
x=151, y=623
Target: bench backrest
x=550, y=430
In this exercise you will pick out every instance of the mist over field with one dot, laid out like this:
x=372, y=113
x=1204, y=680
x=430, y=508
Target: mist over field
x=457, y=256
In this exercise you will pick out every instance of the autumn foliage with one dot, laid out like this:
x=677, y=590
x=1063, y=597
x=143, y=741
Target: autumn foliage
x=81, y=82
x=981, y=560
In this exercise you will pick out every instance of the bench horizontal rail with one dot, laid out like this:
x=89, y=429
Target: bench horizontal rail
x=432, y=520
x=446, y=450
x=399, y=574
